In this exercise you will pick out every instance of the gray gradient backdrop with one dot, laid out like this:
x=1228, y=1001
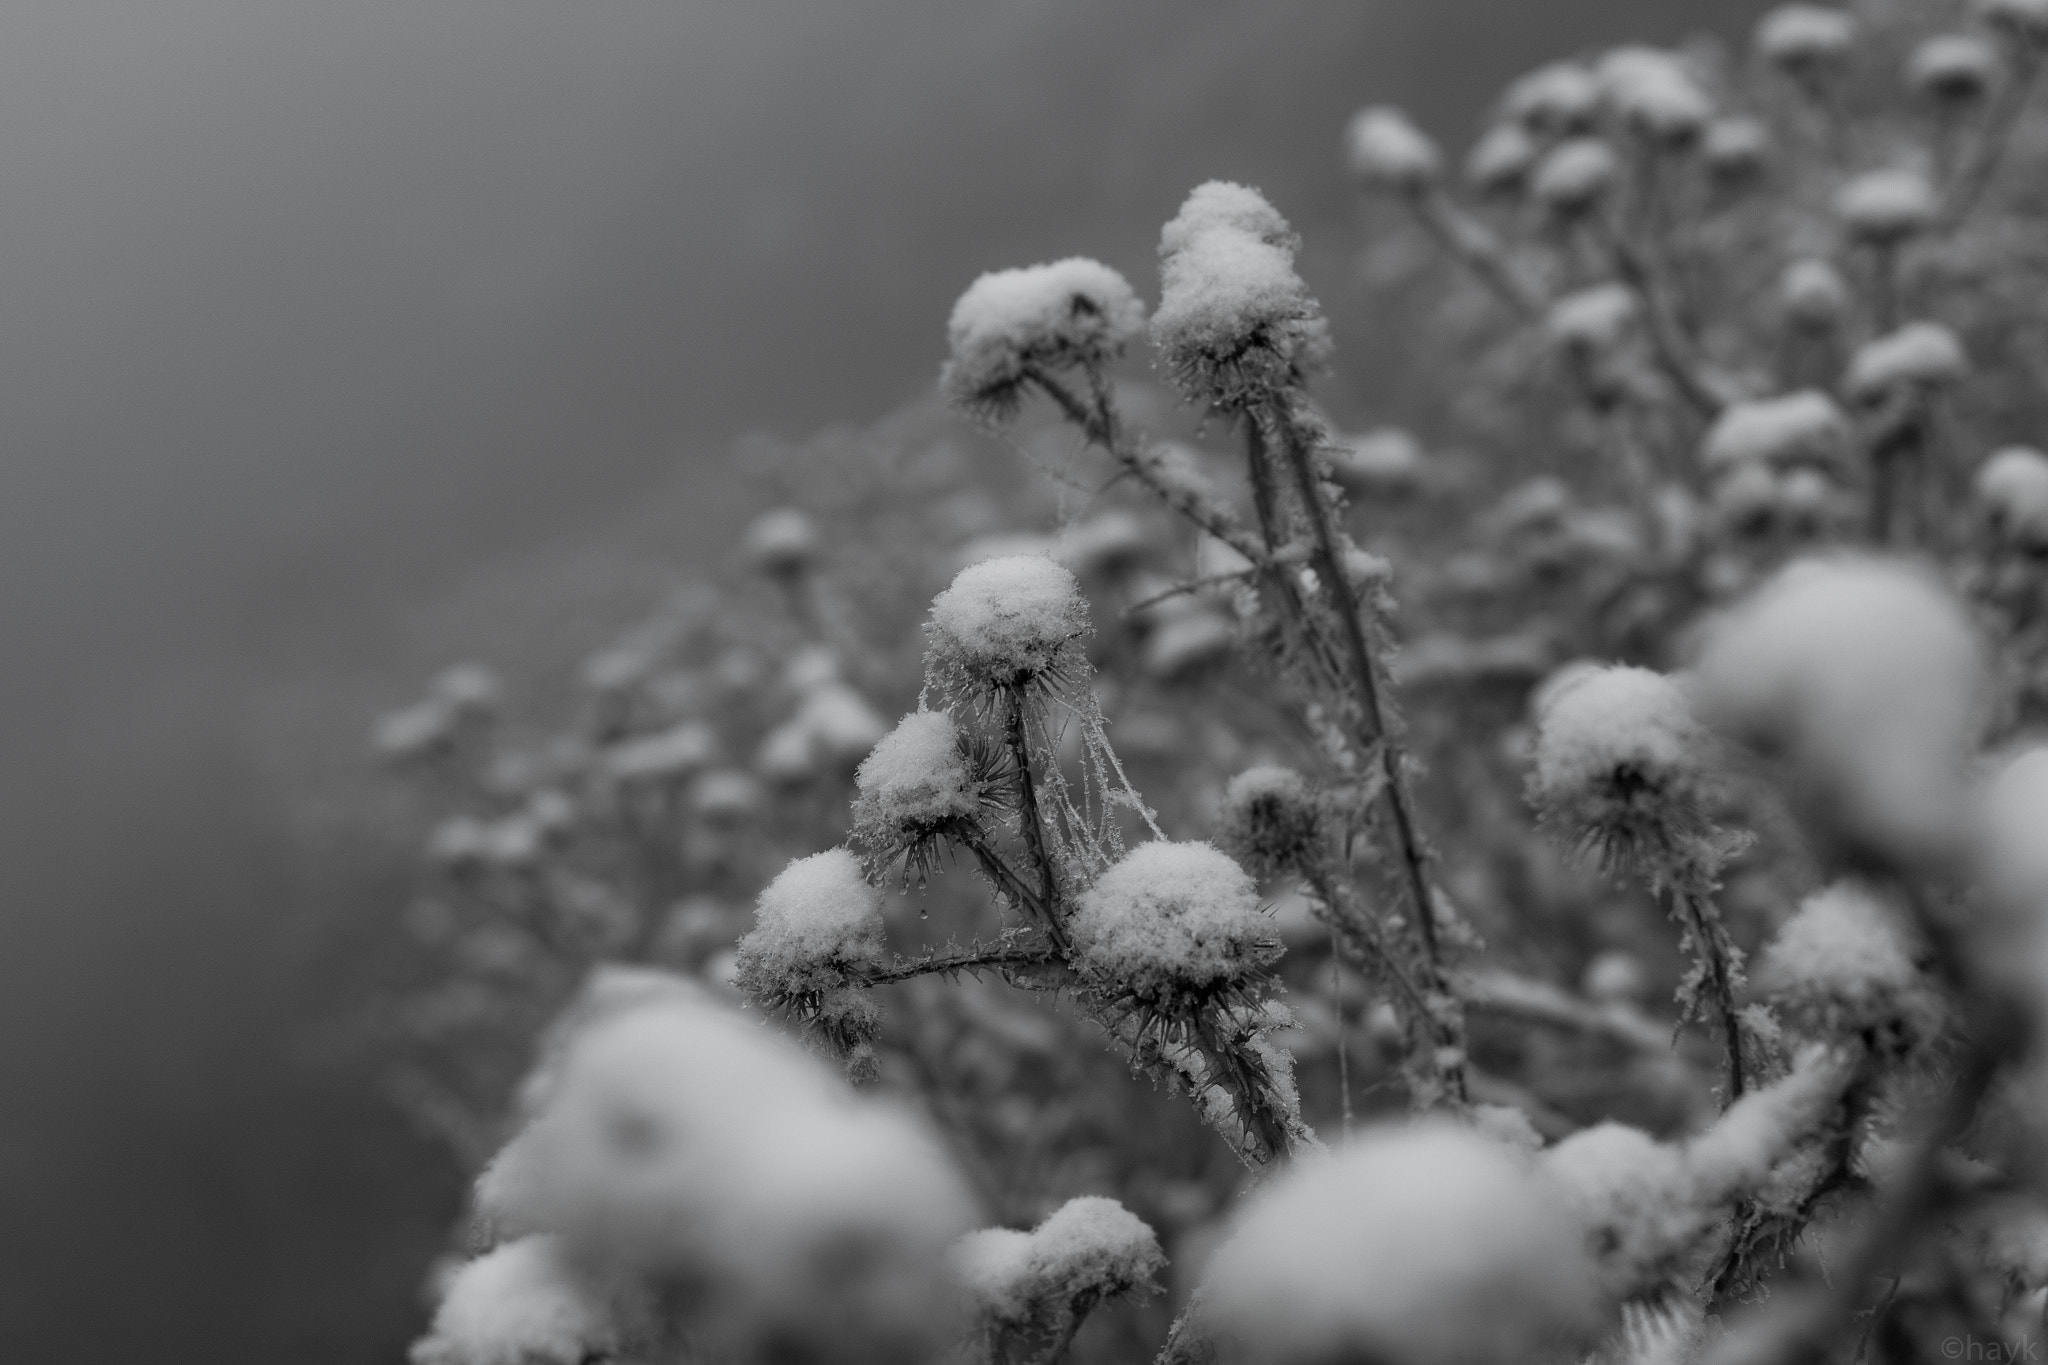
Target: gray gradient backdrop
x=312, y=305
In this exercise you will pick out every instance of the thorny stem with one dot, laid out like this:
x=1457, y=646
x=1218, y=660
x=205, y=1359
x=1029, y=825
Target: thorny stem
x=1467, y=240
x=1230, y=1069
x=1259, y=465
x=969, y=959
x=1694, y=909
x=1077, y=1313
x=1028, y=816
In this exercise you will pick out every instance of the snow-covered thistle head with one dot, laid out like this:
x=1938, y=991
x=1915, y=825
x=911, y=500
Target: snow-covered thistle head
x=1654, y=93
x=1920, y=358
x=1172, y=926
x=782, y=542
x=1621, y=766
x=1953, y=68
x=1501, y=159
x=1562, y=97
x=1814, y=293
x=921, y=784
x=1420, y=1245
x=1271, y=822
x=1591, y=322
x=1089, y=1250
x=1842, y=964
x=1865, y=675
x=686, y=1151
x=1804, y=428
x=1010, y=325
x=1884, y=208
x=1387, y=150
x=1235, y=324
x=2012, y=488
x=817, y=926
x=1574, y=176
x=1804, y=39
x=1011, y=622
x=1736, y=148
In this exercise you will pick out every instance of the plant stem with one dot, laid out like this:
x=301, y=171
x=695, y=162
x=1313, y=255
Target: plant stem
x=1694, y=908
x=1027, y=812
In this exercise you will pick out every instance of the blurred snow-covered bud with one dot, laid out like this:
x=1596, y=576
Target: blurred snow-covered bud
x=1088, y=1251
x=1418, y=1245
x=1173, y=925
x=1008, y=622
x=1843, y=961
x=1185, y=637
x=841, y=723
x=2012, y=487
x=1919, y=358
x=1615, y=977
x=1594, y=320
x=1866, y=675
x=1574, y=176
x=726, y=796
x=1271, y=822
x=1559, y=98
x=1736, y=148
x=1235, y=324
x=1814, y=293
x=1501, y=159
x=1045, y=319
x=1380, y=463
x=668, y=756
x=1388, y=151
x=1621, y=766
x=1655, y=93
x=1107, y=543
x=817, y=927
x=1803, y=39
x=677, y=1148
x=1796, y=428
x=782, y=542
x=1953, y=68
x=1885, y=207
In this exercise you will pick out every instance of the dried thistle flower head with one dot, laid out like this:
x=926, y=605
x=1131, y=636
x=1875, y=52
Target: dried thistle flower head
x=1012, y=621
x=1387, y=150
x=817, y=920
x=1814, y=293
x=1088, y=1250
x=1953, y=68
x=1843, y=962
x=1074, y=314
x=1884, y=208
x=1501, y=159
x=1919, y=358
x=1418, y=1245
x=1271, y=822
x=781, y=542
x=918, y=786
x=1621, y=766
x=1736, y=148
x=1803, y=39
x=1655, y=93
x=1173, y=925
x=1866, y=676
x=1804, y=428
x=1235, y=324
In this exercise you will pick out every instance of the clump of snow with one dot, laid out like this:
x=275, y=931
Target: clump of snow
x=1953, y=67
x=2013, y=486
x=1271, y=820
x=1574, y=175
x=1501, y=158
x=1592, y=319
x=1885, y=207
x=1418, y=1245
x=1560, y=97
x=1803, y=38
x=517, y=1304
x=1814, y=293
x=1762, y=1128
x=1842, y=955
x=1008, y=621
x=916, y=779
x=1171, y=920
x=677, y=1143
x=1089, y=1249
x=1387, y=149
x=1234, y=319
x=1866, y=674
x=1920, y=356
x=780, y=542
x=1074, y=313
x=1655, y=92
x=815, y=921
x=1797, y=428
x=1620, y=759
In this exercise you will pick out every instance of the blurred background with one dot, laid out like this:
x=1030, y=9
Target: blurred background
x=348, y=339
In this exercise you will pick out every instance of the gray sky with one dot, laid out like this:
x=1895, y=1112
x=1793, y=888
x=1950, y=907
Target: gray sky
x=314, y=304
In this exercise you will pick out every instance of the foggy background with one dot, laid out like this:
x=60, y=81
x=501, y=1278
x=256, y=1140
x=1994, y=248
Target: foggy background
x=321, y=315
